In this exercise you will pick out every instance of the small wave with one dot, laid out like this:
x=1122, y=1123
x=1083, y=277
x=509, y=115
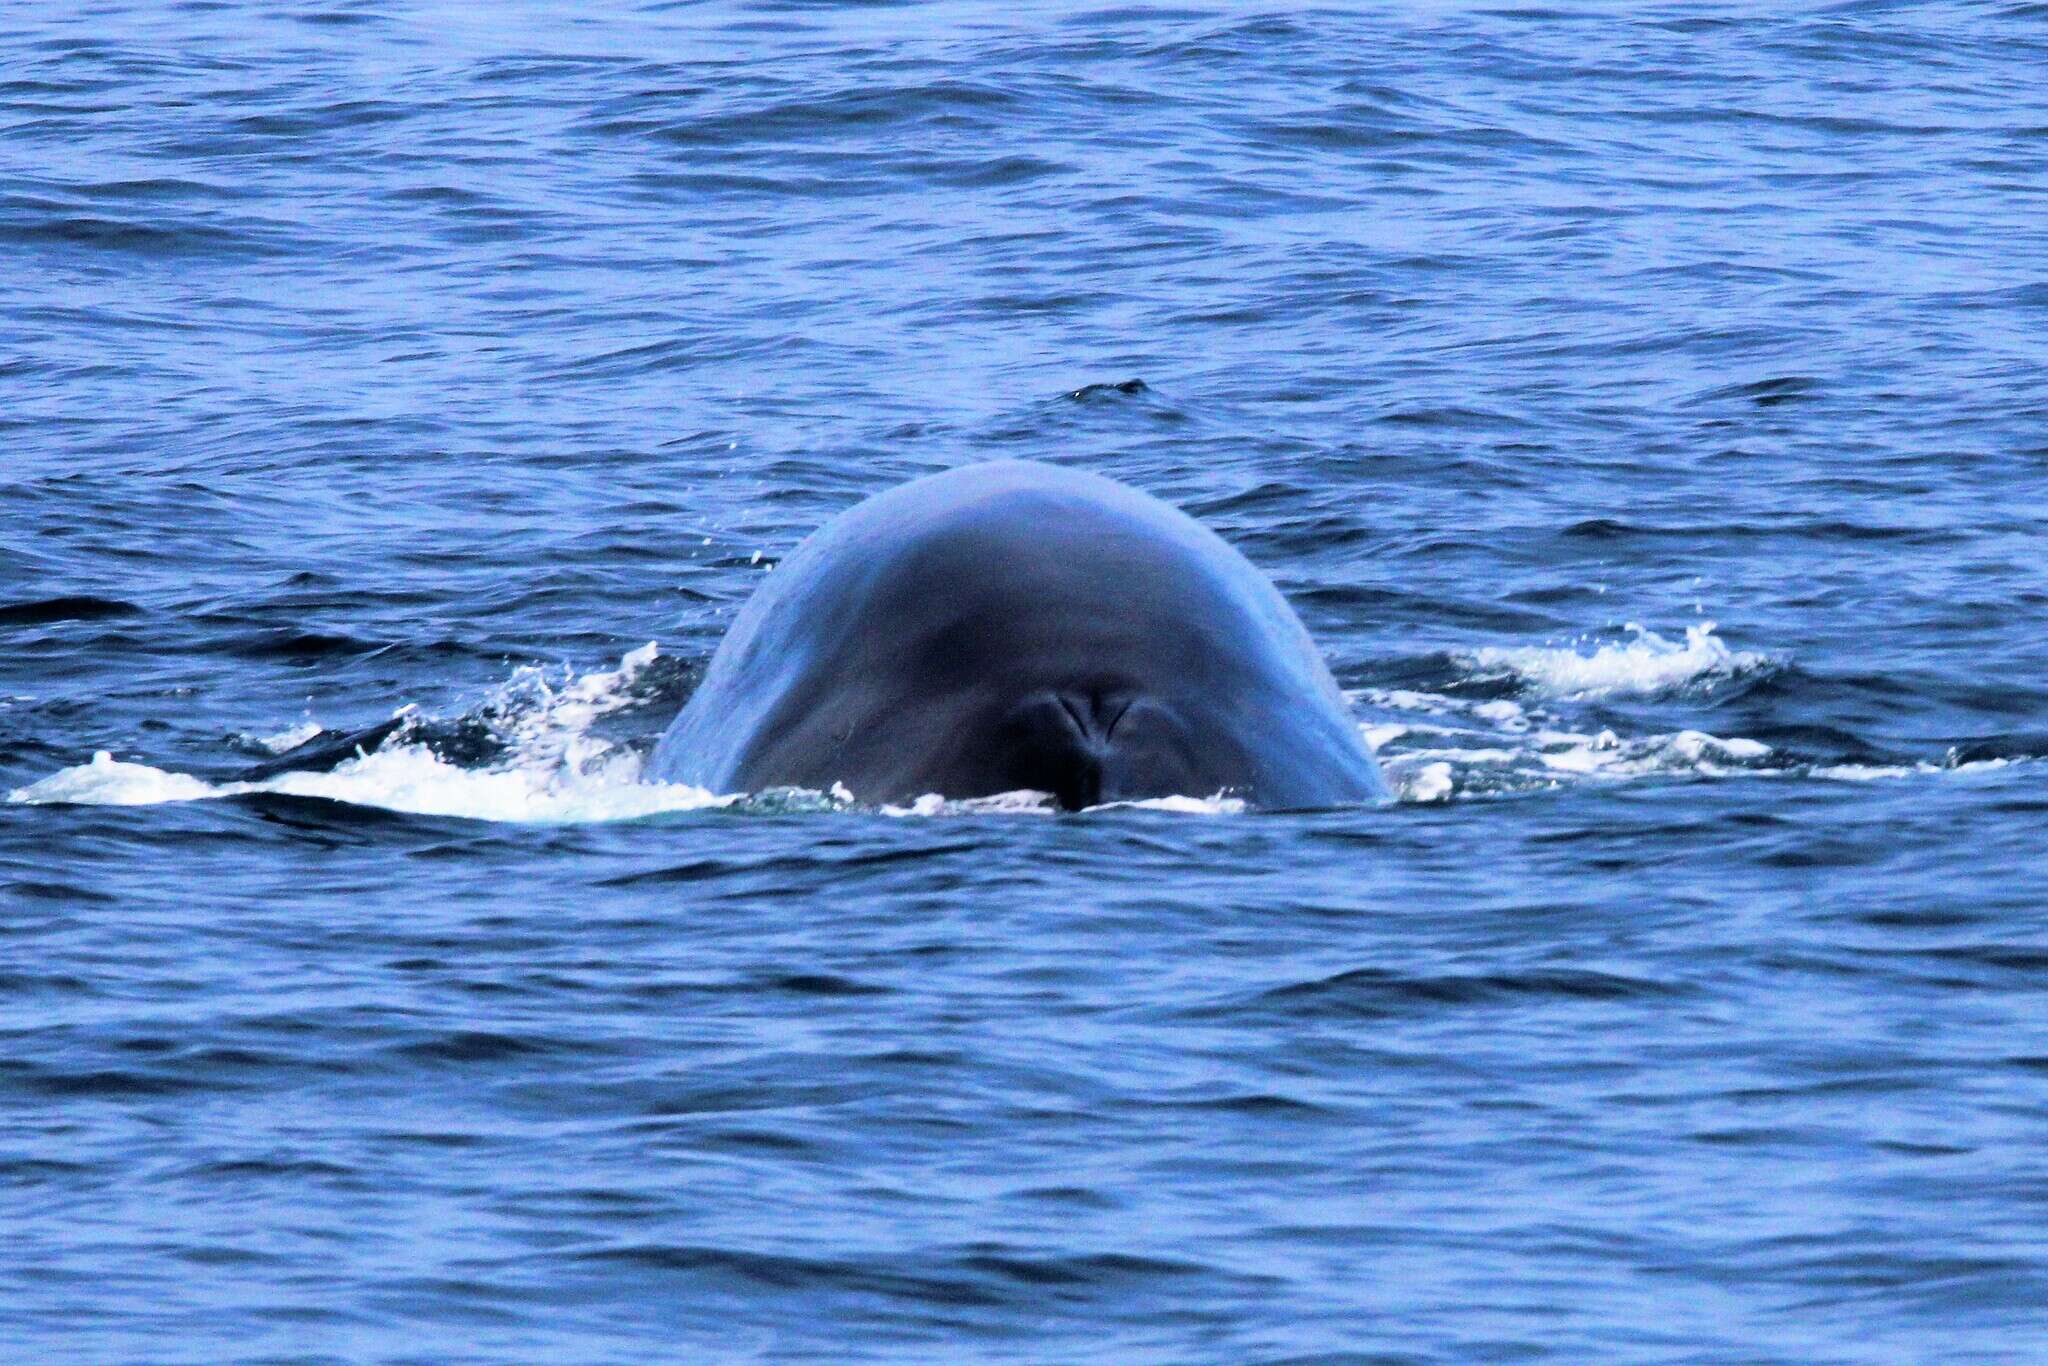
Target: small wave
x=1646, y=664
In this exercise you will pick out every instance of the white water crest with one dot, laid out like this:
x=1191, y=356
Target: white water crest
x=1644, y=665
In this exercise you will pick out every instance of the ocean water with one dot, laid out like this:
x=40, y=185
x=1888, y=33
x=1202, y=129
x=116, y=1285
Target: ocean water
x=1644, y=407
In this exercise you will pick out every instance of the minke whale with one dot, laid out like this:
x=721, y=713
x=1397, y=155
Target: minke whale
x=1020, y=626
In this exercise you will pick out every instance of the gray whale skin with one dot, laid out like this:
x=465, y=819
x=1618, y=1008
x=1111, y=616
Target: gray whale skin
x=1015, y=625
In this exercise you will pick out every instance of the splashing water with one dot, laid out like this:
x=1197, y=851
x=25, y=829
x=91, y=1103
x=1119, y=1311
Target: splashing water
x=1436, y=747
x=550, y=768
x=1644, y=665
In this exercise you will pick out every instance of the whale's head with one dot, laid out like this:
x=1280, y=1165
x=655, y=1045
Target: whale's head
x=1017, y=627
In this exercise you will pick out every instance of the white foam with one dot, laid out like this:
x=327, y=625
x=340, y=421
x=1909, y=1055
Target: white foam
x=552, y=770
x=289, y=738
x=1863, y=773
x=1218, y=805
x=1607, y=755
x=106, y=781
x=1436, y=747
x=411, y=778
x=1026, y=802
x=406, y=778
x=1866, y=773
x=1427, y=783
x=1021, y=802
x=1643, y=665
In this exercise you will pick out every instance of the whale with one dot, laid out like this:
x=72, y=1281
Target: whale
x=1017, y=626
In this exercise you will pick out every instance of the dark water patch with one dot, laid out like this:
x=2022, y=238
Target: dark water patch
x=1766, y=393
x=702, y=870
x=979, y=173
x=1080, y=1197
x=141, y=239
x=485, y=1046
x=775, y=1272
x=154, y=189
x=1092, y=1271
x=984, y=1276
x=80, y=607
x=1752, y=1137
x=1268, y=1104
x=308, y=648
x=2022, y=959
x=835, y=116
x=20, y=984
x=302, y=123
x=1466, y=419
x=1876, y=1083
x=43, y=1171
x=303, y=647
x=63, y=893
x=110, y=1084
x=1373, y=993
x=824, y=984
x=233, y=1171
x=779, y=1145
x=341, y=17
x=334, y=824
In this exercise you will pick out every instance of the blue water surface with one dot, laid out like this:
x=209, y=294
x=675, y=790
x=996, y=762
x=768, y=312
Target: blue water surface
x=1645, y=407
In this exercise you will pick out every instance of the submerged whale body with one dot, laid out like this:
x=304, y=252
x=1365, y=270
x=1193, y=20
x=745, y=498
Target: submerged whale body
x=1012, y=626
